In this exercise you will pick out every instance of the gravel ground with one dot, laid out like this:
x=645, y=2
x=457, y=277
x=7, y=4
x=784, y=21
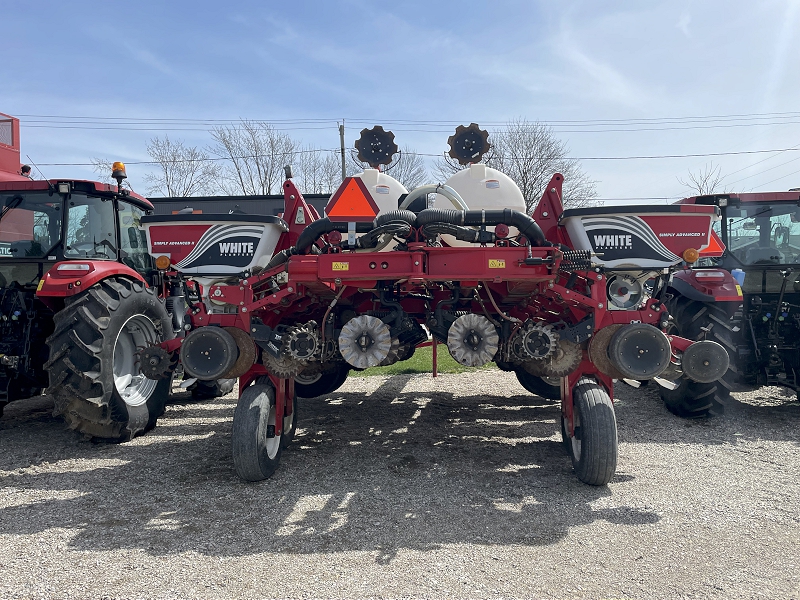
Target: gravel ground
x=412, y=487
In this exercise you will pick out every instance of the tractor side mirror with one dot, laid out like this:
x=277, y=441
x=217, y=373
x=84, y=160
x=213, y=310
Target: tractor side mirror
x=796, y=217
x=749, y=226
x=133, y=237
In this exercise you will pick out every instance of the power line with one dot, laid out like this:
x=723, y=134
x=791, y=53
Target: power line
x=556, y=129
x=511, y=158
x=704, y=118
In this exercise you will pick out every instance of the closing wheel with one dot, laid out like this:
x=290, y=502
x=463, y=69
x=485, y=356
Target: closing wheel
x=546, y=387
x=206, y=390
x=256, y=448
x=594, y=446
x=321, y=383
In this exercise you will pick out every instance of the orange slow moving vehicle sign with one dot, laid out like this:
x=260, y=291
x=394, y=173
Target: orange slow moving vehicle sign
x=352, y=202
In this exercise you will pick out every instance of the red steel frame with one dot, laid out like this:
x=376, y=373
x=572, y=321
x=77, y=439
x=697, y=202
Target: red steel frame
x=498, y=277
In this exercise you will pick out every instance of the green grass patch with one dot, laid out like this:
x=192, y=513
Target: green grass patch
x=422, y=362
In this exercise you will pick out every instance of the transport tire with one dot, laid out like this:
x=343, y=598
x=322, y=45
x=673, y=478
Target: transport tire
x=548, y=388
x=594, y=448
x=693, y=400
x=256, y=456
x=289, y=422
x=322, y=382
x=93, y=366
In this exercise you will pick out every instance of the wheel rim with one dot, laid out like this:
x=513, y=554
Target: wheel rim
x=134, y=388
x=273, y=443
x=554, y=381
x=575, y=440
x=308, y=379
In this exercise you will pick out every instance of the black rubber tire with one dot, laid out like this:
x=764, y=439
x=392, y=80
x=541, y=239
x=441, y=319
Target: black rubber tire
x=83, y=348
x=289, y=423
x=329, y=381
x=595, y=448
x=206, y=390
x=538, y=385
x=255, y=456
x=692, y=400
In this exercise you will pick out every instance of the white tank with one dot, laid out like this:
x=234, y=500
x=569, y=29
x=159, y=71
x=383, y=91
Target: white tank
x=483, y=187
x=384, y=189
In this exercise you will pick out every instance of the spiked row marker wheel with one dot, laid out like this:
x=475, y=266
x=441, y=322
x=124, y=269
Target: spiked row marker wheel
x=697, y=320
x=94, y=365
x=376, y=146
x=562, y=362
x=469, y=144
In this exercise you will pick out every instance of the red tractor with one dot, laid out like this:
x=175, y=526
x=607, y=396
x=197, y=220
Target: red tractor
x=80, y=297
x=559, y=295
x=745, y=295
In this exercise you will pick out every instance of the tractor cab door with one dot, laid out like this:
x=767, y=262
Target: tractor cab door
x=134, y=251
x=90, y=231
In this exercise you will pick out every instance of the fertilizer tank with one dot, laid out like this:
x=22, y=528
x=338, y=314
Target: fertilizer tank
x=483, y=188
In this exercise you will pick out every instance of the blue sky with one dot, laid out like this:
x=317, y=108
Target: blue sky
x=421, y=62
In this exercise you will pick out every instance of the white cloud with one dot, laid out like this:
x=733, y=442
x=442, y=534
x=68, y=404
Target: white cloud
x=683, y=23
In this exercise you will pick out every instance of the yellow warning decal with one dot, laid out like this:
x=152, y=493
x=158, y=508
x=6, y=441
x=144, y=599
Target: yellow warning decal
x=739, y=289
x=496, y=263
x=340, y=266
x=41, y=285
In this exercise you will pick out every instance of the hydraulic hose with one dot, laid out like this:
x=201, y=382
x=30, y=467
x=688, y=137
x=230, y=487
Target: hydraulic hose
x=525, y=224
x=444, y=190
x=465, y=234
x=371, y=239
x=396, y=215
x=319, y=228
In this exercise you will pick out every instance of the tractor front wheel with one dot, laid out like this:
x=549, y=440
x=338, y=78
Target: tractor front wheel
x=594, y=446
x=95, y=377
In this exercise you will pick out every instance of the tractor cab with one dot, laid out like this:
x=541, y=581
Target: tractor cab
x=47, y=222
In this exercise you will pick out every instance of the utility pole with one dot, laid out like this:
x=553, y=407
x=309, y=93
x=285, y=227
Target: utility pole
x=341, y=141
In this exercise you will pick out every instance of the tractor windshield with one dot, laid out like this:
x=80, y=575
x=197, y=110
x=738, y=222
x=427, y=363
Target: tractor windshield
x=764, y=234
x=30, y=225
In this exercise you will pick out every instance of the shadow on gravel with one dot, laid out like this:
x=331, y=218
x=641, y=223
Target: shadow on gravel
x=377, y=473
x=768, y=414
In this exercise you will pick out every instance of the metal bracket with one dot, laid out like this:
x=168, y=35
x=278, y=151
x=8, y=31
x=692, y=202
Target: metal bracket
x=579, y=332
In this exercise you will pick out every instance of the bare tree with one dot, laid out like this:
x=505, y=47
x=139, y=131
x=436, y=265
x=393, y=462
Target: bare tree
x=317, y=171
x=707, y=180
x=407, y=167
x=530, y=153
x=182, y=170
x=256, y=154
x=103, y=168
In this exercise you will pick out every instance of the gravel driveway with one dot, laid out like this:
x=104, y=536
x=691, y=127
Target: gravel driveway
x=408, y=486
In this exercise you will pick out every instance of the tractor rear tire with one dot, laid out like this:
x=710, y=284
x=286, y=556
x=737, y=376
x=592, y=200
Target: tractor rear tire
x=594, y=448
x=541, y=386
x=95, y=379
x=255, y=455
x=693, y=400
x=322, y=383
